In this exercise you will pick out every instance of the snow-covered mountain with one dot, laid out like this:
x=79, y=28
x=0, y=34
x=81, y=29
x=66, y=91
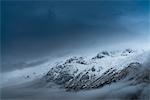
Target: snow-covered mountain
x=79, y=73
x=120, y=74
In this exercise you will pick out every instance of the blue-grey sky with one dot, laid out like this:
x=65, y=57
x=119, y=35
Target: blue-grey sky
x=33, y=29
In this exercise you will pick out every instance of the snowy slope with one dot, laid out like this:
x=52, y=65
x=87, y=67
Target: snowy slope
x=79, y=73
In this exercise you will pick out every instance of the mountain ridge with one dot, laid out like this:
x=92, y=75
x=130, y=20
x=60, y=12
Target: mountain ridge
x=78, y=73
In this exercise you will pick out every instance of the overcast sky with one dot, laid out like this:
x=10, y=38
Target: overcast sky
x=33, y=29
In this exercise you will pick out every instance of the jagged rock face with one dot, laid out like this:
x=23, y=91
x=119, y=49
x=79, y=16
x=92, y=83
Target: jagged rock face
x=81, y=82
x=62, y=73
x=79, y=60
x=63, y=78
x=91, y=75
x=132, y=72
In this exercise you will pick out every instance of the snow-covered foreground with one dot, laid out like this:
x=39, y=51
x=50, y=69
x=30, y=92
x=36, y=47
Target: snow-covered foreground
x=108, y=75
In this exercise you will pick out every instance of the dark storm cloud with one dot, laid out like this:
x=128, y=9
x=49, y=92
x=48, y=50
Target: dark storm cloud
x=37, y=28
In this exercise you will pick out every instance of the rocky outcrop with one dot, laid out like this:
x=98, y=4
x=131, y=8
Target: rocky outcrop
x=126, y=52
x=62, y=73
x=79, y=60
x=101, y=55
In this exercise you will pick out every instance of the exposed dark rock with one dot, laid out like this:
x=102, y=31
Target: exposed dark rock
x=101, y=55
x=63, y=78
x=93, y=69
x=28, y=76
x=129, y=50
x=126, y=52
x=79, y=60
